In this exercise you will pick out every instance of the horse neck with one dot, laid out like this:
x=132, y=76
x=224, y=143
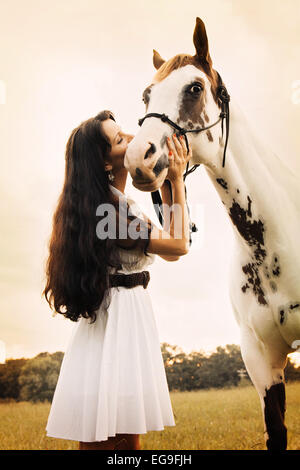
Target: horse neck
x=254, y=177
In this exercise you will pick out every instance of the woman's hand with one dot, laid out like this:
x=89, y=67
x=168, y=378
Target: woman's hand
x=178, y=157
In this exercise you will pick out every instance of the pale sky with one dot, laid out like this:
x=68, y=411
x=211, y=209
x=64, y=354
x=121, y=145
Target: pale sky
x=62, y=62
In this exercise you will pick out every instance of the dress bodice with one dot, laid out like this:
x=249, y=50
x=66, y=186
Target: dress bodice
x=133, y=260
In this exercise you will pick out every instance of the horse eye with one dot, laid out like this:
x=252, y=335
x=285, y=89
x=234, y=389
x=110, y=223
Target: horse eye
x=196, y=89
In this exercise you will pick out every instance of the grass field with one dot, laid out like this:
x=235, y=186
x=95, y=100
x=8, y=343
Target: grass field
x=206, y=420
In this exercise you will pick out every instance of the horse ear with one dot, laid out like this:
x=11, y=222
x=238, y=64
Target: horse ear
x=201, y=44
x=157, y=59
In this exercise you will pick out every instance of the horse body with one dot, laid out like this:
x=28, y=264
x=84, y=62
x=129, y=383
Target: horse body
x=261, y=197
x=259, y=194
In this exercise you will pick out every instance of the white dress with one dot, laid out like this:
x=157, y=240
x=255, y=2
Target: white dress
x=112, y=379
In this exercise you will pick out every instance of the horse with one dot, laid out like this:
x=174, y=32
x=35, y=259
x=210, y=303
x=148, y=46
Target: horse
x=261, y=197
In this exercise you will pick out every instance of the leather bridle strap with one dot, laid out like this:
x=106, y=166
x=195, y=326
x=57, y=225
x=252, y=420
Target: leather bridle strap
x=224, y=97
x=181, y=130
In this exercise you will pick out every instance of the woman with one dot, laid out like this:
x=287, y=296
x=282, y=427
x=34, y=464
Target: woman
x=112, y=384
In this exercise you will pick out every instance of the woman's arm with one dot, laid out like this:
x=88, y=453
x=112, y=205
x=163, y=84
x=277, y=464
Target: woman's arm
x=167, y=243
x=167, y=200
x=173, y=241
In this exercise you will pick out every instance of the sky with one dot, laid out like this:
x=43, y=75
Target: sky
x=62, y=62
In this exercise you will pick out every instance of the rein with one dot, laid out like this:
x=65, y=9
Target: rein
x=224, y=98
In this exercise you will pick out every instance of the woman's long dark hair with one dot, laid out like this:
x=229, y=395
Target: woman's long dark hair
x=77, y=266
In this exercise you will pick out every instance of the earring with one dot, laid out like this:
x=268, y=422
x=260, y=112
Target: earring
x=111, y=176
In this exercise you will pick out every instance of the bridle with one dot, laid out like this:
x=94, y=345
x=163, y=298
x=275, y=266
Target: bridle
x=224, y=99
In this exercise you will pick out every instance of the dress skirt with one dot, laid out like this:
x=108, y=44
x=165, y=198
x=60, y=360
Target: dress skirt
x=112, y=378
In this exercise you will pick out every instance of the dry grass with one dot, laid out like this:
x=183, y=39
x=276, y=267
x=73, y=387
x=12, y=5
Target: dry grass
x=207, y=420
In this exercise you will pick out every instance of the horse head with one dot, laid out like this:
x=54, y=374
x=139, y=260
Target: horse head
x=187, y=95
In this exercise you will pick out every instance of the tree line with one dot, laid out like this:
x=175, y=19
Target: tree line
x=35, y=379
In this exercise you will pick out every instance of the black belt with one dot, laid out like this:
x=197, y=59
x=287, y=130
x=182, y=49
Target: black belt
x=130, y=280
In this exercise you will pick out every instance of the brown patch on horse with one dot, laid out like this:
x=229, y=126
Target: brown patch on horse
x=146, y=95
x=191, y=110
x=274, y=417
x=206, y=117
x=210, y=137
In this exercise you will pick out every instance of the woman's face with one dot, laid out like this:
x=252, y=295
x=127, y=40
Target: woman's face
x=119, y=142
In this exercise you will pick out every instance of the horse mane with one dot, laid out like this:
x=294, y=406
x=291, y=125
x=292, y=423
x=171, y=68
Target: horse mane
x=176, y=62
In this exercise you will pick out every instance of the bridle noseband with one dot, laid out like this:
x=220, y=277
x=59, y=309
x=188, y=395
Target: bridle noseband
x=224, y=98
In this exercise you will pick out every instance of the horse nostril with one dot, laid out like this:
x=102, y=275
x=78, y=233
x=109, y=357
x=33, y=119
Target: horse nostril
x=150, y=151
x=139, y=172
